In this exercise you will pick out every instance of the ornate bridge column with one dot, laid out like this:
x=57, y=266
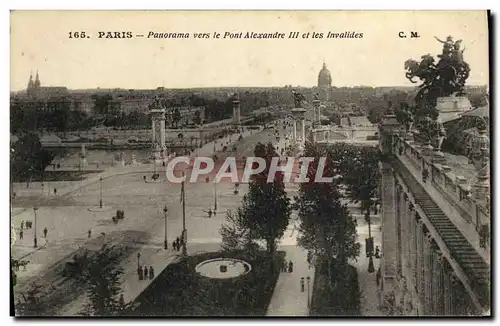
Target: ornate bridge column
x=236, y=113
x=158, y=132
x=299, y=123
x=315, y=119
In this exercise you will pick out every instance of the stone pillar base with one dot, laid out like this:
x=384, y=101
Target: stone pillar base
x=427, y=150
x=480, y=190
x=438, y=157
x=409, y=137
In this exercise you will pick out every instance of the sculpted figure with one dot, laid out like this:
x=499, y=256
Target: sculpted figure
x=298, y=99
x=447, y=47
x=458, y=53
x=412, y=68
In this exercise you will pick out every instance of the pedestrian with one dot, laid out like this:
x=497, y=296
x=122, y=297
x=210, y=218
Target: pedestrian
x=151, y=273
x=174, y=246
x=55, y=191
x=302, y=284
x=177, y=242
x=90, y=233
x=21, y=234
x=22, y=224
x=144, y=177
x=145, y=272
x=290, y=267
x=139, y=272
x=377, y=252
x=283, y=265
x=45, y=232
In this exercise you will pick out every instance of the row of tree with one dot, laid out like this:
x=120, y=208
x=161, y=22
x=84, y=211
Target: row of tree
x=326, y=226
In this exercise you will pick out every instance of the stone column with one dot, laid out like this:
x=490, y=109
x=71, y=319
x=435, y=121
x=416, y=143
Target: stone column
x=413, y=242
x=399, y=222
x=387, y=128
x=315, y=111
x=303, y=123
x=428, y=275
x=405, y=235
x=153, y=128
x=389, y=231
x=439, y=284
x=236, y=113
x=162, y=133
x=420, y=261
x=447, y=289
x=295, y=130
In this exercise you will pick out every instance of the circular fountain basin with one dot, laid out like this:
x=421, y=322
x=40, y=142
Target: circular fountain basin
x=223, y=268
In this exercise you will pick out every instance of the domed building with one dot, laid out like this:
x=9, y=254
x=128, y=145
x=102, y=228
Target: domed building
x=324, y=83
x=324, y=78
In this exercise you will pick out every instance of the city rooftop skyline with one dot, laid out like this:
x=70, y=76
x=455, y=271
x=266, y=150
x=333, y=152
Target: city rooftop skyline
x=376, y=60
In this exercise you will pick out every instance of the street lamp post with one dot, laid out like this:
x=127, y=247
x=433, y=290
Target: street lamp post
x=184, y=231
x=371, y=267
x=100, y=197
x=308, y=295
x=215, y=187
x=165, y=243
x=35, y=242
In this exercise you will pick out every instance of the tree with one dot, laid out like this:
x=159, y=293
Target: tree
x=29, y=303
x=358, y=166
x=176, y=117
x=102, y=276
x=28, y=157
x=197, y=117
x=235, y=236
x=478, y=99
x=326, y=226
x=266, y=207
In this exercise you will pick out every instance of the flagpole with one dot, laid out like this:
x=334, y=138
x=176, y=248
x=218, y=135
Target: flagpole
x=184, y=231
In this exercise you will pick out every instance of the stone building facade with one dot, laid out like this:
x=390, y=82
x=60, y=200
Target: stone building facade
x=435, y=232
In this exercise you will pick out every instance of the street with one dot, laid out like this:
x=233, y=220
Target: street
x=68, y=218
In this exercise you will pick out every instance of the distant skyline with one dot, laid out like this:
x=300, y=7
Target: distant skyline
x=39, y=40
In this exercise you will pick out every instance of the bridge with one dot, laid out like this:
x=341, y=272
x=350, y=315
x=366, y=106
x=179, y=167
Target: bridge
x=116, y=139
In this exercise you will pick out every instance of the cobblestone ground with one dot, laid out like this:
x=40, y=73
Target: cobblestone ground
x=68, y=218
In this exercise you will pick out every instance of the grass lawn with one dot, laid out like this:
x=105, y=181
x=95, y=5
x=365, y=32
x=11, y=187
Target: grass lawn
x=180, y=291
x=342, y=299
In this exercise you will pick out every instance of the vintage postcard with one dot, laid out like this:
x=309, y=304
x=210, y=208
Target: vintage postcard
x=250, y=163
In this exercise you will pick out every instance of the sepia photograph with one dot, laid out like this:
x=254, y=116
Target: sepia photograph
x=250, y=163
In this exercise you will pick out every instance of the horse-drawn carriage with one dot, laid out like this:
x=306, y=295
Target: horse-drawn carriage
x=120, y=215
x=16, y=264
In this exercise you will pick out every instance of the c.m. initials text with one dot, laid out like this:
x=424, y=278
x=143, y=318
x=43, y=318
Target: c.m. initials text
x=405, y=35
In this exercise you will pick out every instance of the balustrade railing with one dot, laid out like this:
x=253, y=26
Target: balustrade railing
x=453, y=188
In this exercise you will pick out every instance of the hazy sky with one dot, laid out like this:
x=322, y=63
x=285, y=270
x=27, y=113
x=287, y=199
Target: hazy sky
x=39, y=40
